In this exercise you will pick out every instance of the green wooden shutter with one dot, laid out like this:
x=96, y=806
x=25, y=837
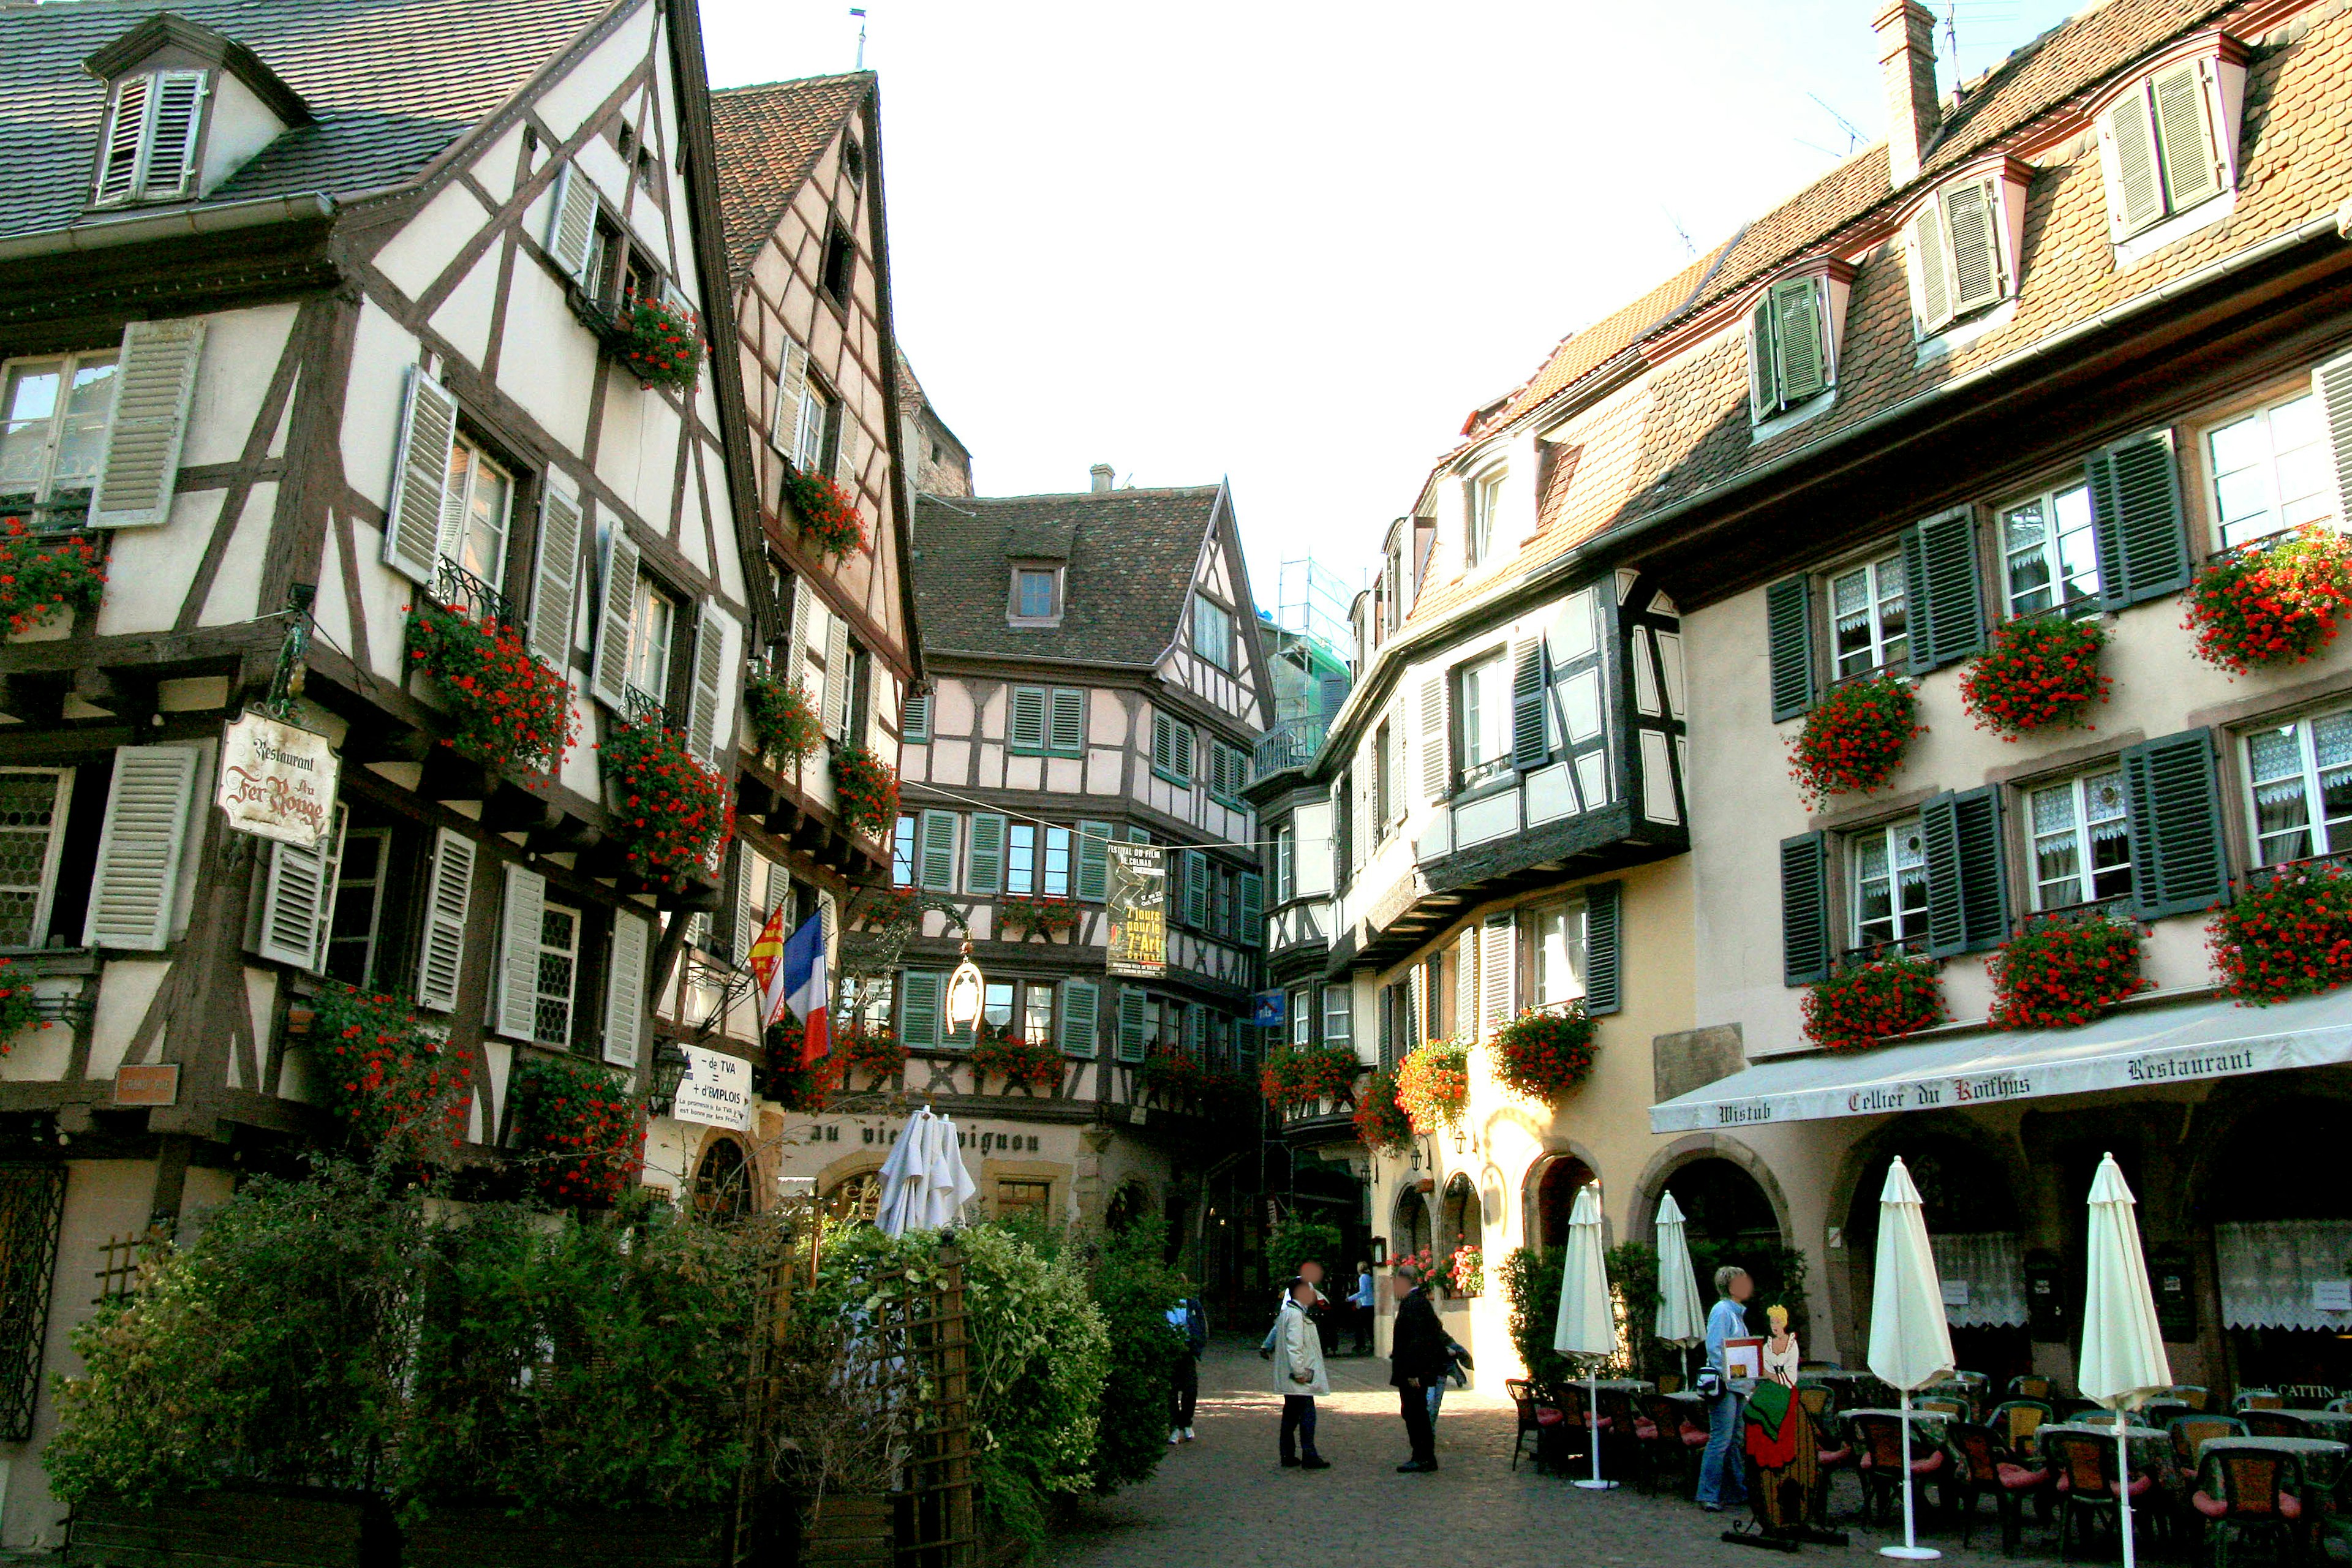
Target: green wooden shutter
x=1967, y=885
x=1182, y=750
x=2137, y=520
x=2192, y=166
x=1945, y=594
x=1805, y=908
x=1789, y=630
x=2179, y=865
x=1139, y=834
x=1066, y=734
x=1927, y=246
x=1196, y=889
x=1252, y=922
x=1528, y=744
x=1130, y=1025
x=984, y=860
x=1026, y=735
x=1604, y=908
x=1163, y=743
x=1079, y=1000
x=1803, y=359
x=915, y=723
x=1093, y=861
x=919, y=1016
x=937, y=871
x=1763, y=372
x=1972, y=219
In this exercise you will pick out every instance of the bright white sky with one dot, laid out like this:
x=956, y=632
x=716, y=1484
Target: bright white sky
x=1296, y=244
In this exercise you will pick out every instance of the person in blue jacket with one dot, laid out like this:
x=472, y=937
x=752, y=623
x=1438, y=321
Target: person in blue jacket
x=1722, y=1469
x=1191, y=1325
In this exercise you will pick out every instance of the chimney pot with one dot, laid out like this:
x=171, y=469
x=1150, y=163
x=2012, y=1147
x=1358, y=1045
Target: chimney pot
x=1906, y=67
x=1102, y=474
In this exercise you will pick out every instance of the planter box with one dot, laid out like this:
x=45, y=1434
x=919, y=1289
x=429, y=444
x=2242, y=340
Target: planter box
x=848, y=1532
x=488, y=1538
x=277, y=1527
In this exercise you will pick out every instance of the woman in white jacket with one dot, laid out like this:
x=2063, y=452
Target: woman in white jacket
x=1298, y=1377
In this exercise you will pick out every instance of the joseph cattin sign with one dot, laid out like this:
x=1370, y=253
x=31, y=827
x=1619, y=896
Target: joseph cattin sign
x=1135, y=911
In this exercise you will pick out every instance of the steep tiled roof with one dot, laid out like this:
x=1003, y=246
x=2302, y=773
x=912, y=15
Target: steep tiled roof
x=1581, y=353
x=769, y=139
x=390, y=83
x=1132, y=556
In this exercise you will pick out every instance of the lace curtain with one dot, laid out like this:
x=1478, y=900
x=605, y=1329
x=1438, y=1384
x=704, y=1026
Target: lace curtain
x=2268, y=1267
x=1993, y=1267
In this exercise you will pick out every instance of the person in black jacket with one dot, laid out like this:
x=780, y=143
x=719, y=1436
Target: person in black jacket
x=1418, y=1357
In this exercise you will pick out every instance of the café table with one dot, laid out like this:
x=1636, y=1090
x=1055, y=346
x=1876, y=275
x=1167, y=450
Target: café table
x=2151, y=1450
x=1928, y=1428
x=2336, y=1424
x=2322, y=1458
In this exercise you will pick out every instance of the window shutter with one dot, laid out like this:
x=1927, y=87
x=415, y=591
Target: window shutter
x=2137, y=520
x=1191, y=1035
x=1163, y=743
x=1945, y=594
x=1079, y=1001
x=750, y=879
x=298, y=900
x=1763, y=374
x=1066, y=737
x=1604, y=921
x=449, y=898
x=609, y=677
x=1967, y=889
x=1498, y=992
x=139, y=847
x=1928, y=248
x=1789, y=630
x=1528, y=749
x=1253, y=912
x=1804, y=911
x=1025, y=732
x=919, y=1015
x=1971, y=212
x=1393, y=805
x=172, y=147
x=118, y=165
x=2137, y=198
x=797, y=634
x=837, y=678
x=985, y=857
x=1182, y=750
x=2179, y=865
x=937, y=873
x=1797, y=329
x=1436, y=750
x=140, y=469
x=847, y=454
x=555, y=576
x=915, y=720
x=2332, y=382
x=523, y=916
x=1359, y=841
x=1093, y=861
x=1196, y=889
x=792, y=385
x=1130, y=1025
x=625, y=989
x=2193, y=166
x=709, y=726
x=571, y=225
x=420, y=478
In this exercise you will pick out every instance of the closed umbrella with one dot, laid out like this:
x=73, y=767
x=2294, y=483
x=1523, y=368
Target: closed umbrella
x=1587, y=1327
x=1910, y=1340
x=2123, y=1349
x=904, y=1183
x=947, y=1185
x=1682, y=1319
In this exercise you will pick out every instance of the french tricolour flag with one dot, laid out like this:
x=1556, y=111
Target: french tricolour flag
x=806, y=987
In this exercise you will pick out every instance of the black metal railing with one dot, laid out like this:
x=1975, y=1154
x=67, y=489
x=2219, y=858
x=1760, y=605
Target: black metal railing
x=460, y=590
x=644, y=709
x=2264, y=876
x=1291, y=743
x=2089, y=911
x=67, y=512
x=1914, y=946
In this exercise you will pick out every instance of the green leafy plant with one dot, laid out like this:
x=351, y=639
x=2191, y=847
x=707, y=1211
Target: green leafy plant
x=583, y=1137
x=386, y=1075
x=830, y=525
x=1433, y=1084
x=1544, y=1055
x=1172, y=1073
x=2057, y=973
x=1033, y=1062
x=658, y=341
x=2038, y=673
x=1132, y=1288
x=1040, y=914
x=1531, y=1288
x=1876, y=999
x=43, y=574
x=1380, y=1122
x=1298, y=1237
x=2274, y=604
x=864, y=791
x=1854, y=738
x=672, y=816
x=506, y=709
x=784, y=721
x=1633, y=1281
x=1299, y=1077
x=2289, y=936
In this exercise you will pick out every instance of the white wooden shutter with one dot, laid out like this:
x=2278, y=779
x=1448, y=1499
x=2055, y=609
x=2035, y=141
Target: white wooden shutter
x=141, y=466
x=2192, y=162
x=797, y=634
x=555, y=576
x=608, y=678
x=792, y=385
x=139, y=847
x=837, y=678
x=709, y=727
x=420, y=478
x=750, y=882
x=1494, y=974
x=172, y=146
x=1928, y=253
x=848, y=455
x=523, y=917
x=298, y=900
x=572, y=223
x=449, y=898
x=625, y=989
x=1465, y=985
x=2332, y=382
x=117, y=164
x=1972, y=220
x=2135, y=197
x=1434, y=743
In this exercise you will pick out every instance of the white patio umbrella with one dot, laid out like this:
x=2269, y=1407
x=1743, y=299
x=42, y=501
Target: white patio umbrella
x=902, y=1181
x=947, y=1183
x=1910, y=1339
x=2123, y=1348
x=1682, y=1319
x=1587, y=1326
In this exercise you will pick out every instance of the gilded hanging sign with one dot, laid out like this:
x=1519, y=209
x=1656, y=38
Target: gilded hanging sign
x=278, y=781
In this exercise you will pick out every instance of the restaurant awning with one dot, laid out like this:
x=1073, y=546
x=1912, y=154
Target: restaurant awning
x=2209, y=1038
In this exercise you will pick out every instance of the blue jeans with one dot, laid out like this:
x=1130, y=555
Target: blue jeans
x=1436, y=1397
x=1722, y=1469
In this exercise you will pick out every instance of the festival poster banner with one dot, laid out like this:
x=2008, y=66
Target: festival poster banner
x=1137, y=911
x=278, y=781
x=716, y=1090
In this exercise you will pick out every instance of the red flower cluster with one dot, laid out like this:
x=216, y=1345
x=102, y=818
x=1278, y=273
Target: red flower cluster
x=1854, y=738
x=2272, y=604
x=1300, y=1077
x=1855, y=1008
x=1433, y=1084
x=2292, y=936
x=41, y=574
x=1465, y=1269
x=2057, y=973
x=1043, y=915
x=387, y=1077
x=1016, y=1060
x=657, y=341
x=673, y=813
x=878, y=1054
x=779, y=1076
x=1380, y=1120
x=783, y=720
x=864, y=791
x=507, y=709
x=880, y=908
x=584, y=1136
x=1544, y=1055
x=2037, y=674
x=19, y=1009
x=829, y=522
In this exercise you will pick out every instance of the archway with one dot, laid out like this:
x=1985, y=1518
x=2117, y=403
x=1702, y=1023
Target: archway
x=1728, y=1219
x=855, y=1197
x=1558, y=1178
x=1460, y=1222
x=1409, y=1228
x=1973, y=1226
x=2282, y=1220
x=722, y=1183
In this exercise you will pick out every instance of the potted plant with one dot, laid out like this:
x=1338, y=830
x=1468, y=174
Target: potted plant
x=388, y=1076
x=1875, y=999
x=830, y=525
x=2288, y=936
x=1854, y=739
x=784, y=721
x=656, y=340
x=1040, y=914
x=20, y=1009
x=2038, y=673
x=2272, y=604
x=1465, y=1270
x=1171, y=1075
x=1379, y=1121
x=1018, y=1061
x=41, y=574
x=1302, y=1080
x=877, y=1053
x=1543, y=1056
x=506, y=709
x=670, y=814
x=864, y=791
x=1433, y=1084
x=580, y=1137
x=2058, y=972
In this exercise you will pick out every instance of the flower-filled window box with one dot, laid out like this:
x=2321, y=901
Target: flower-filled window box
x=864, y=791
x=1544, y=1055
x=656, y=340
x=1876, y=999
x=1433, y=1084
x=580, y=1138
x=2059, y=972
x=386, y=1075
x=884, y=910
x=1020, y=918
x=42, y=573
x=1465, y=1270
x=784, y=721
x=829, y=524
x=877, y=1053
x=2290, y=935
x=780, y=1074
x=1172, y=1075
x=670, y=814
x=2039, y=673
x=1033, y=1062
x=1854, y=738
x=2274, y=604
x=1299, y=1078
x=506, y=709
x=19, y=1009
x=1379, y=1121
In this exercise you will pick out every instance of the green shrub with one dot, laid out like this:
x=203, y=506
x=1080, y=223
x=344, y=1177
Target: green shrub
x=1531, y=1285
x=1133, y=1289
x=1295, y=1238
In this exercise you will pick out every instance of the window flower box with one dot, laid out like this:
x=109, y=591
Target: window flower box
x=43, y=574
x=1032, y=1062
x=1309, y=1080
x=1544, y=1055
x=507, y=710
x=2275, y=604
x=1043, y=915
x=864, y=791
x=784, y=721
x=669, y=814
x=20, y=1009
x=1433, y=1084
x=1171, y=1076
x=658, y=341
x=1854, y=738
x=2038, y=673
x=1873, y=1000
x=1380, y=1122
x=2289, y=936
x=2058, y=972
x=581, y=1139
x=829, y=520
x=388, y=1076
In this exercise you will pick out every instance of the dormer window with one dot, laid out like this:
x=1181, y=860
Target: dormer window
x=186, y=107
x=1036, y=599
x=1793, y=331
x=2168, y=140
x=150, y=150
x=1964, y=243
x=1485, y=506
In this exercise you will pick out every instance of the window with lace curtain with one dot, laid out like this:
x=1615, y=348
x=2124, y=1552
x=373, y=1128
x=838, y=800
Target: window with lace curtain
x=1889, y=869
x=1869, y=618
x=2299, y=777
x=2082, y=840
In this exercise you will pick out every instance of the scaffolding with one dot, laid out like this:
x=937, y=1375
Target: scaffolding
x=1311, y=600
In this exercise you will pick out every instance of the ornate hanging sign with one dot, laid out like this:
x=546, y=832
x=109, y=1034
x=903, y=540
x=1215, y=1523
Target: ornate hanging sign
x=278, y=781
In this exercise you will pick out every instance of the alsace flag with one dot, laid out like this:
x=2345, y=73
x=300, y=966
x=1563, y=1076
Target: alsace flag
x=767, y=958
x=806, y=987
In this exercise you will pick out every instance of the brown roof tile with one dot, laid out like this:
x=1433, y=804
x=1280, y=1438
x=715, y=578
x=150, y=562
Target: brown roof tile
x=770, y=137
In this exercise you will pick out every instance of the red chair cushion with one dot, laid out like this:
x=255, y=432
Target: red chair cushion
x=1646, y=1430
x=1547, y=1416
x=1933, y=1461
x=1693, y=1437
x=2138, y=1487
x=2290, y=1506
x=2018, y=1478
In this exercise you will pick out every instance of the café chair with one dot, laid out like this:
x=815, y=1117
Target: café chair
x=1983, y=1464
x=1532, y=1420
x=1670, y=1382
x=2031, y=1385
x=1658, y=1439
x=2015, y=1420
x=2264, y=1422
x=2084, y=1469
x=2189, y=1393
x=2258, y=1399
x=1833, y=1446
x=2190, y=1434
x=1878, y=1440
x=2247, y=1492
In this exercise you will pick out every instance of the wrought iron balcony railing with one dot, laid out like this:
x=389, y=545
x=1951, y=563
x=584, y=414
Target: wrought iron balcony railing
x=460, y=590
x=1291, y=743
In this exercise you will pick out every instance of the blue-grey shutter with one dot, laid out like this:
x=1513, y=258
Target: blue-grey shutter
x=2179, y=865
x=1789, y=631
x=1027, y=732
x=1967, y=881
x=915, y=723
x=1093, y=861
x=1130, y=1025
x=2136, y=520
x=985, y=858
x=1805, y=908
x=937, y=871
x=1079, y=1001
x=918, y=1015
x=1527, y=741
x=1196, y=889
x=1604, y=908
x=1065, y=731
x=1163, y=743
x=1253, y=917
x=1943, y=592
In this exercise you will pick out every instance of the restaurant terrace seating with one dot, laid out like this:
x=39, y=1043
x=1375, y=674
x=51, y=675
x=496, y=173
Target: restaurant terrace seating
x=1985, y=1465
x=2245, y=1492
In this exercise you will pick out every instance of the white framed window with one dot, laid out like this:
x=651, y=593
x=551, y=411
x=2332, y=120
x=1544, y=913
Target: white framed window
x=1338, y=1015
x=1300, y=1013
x=1888, y=890
x=1485, y=506
x=1484, y=702
x=53, y=418
x=1870, y=620
x=2082, y=840
x=1037, y=860
x=2300, y=779
x=351, y=930
x=2049, y=554
x=812, y=425
x=2159, y=146
x=558, y=972
x=1557, y=969
x=1213, y=632
x=653, y=627
x=1285, y=846
x=2272, y=469
x=478, y=508
x=902, y=853
x=1037, y=1013
x=32, y=834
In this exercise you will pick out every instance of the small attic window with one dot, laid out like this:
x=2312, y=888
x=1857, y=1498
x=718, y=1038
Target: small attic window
x=149, y=152
x=839, y=256
x=1963, y=244
x=853, y=160
x=1036, y=597
x=2168, y=140
x=1793, y=333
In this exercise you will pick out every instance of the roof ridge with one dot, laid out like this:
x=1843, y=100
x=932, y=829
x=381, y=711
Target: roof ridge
x=1098, y=495
x=784, y=82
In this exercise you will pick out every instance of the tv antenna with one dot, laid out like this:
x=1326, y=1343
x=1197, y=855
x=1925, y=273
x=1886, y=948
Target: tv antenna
x=1680, y=232
x=860, y=14
x=1853, y=137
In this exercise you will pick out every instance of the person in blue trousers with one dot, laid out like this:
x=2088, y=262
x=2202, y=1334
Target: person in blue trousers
x=1722, y=1471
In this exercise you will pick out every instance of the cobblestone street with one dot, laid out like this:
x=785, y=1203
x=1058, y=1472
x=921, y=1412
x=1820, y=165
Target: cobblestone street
x=1222, y=1500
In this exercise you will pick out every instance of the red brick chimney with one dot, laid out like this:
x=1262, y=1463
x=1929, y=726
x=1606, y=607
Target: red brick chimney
x=1906, y=65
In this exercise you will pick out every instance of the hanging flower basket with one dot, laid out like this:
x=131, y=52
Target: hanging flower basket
x=386, y=1075
x=1172, y=1073
x=2040, y=673
x=779, y=1075
x=581, y=1139
x=507, y=710
x=864, y=791
x=671, y=815
x=2271, y=605
x=657, y=341
x=1032, y=1062
x=1855, y=1008
x=1021, y=918
x=1854, y=738
x=1380, y=1120
x=1300, y=1077
x=1542, y=1056
x=1434, y=1084
x=43, y=574
x=1465, y=1270
x=2290, y=936
x=2058, y=974
x=830, y=525
x=784, y=722
x=881, y=909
